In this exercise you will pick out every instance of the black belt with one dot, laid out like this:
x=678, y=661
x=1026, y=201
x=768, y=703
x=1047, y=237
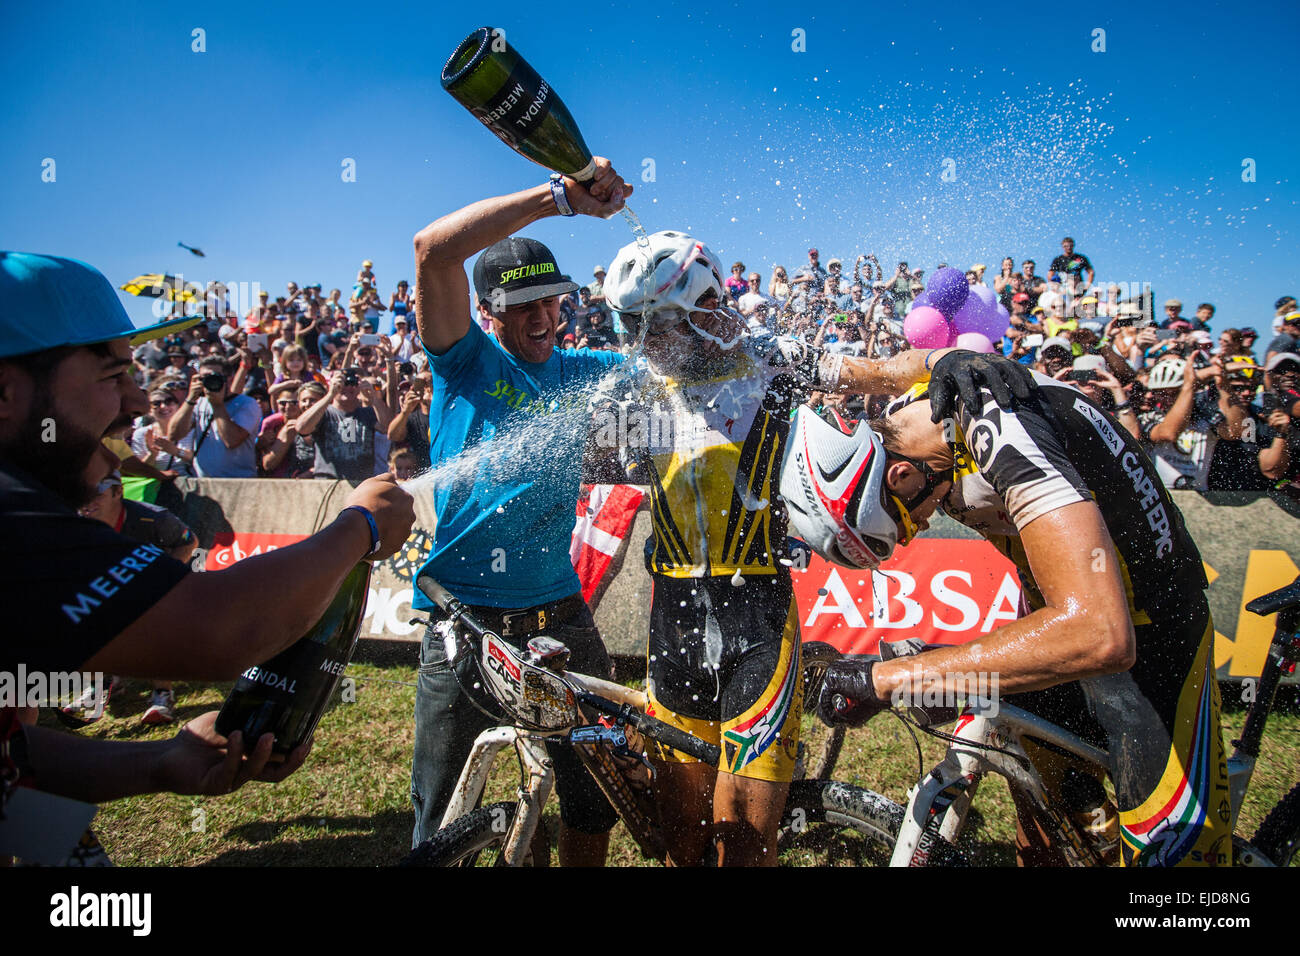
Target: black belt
x=529, y=620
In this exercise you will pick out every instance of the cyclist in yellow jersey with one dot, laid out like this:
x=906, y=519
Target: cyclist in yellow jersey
x=723, y=652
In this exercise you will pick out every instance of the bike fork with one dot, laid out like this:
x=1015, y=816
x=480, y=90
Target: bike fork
x=936, y=810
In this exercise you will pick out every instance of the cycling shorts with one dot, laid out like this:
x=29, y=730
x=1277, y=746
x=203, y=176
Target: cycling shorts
x=723, y=664
x=1161, y=721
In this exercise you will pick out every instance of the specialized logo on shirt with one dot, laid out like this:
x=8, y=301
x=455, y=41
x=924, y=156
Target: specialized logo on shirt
x=515, y=397
x=510, y=275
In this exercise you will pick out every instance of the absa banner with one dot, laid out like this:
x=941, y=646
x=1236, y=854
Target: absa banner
x=942, y=590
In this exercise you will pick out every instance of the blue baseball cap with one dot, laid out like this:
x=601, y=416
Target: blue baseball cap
x=47, y=302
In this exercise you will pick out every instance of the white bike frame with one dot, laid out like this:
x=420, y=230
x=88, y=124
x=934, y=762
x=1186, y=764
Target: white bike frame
x=949, y=788
x=947, y=791
x=531, y=747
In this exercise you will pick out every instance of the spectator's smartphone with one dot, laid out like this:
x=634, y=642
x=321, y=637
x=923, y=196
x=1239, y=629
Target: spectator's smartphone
x=1163, y=334
x=257, y=341
x=368, y=339
x=1082, y=375
x=1270, y=402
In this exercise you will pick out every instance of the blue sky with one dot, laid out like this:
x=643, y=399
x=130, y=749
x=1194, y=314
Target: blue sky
x=759, y=150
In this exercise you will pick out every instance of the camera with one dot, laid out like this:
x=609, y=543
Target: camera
x=350, y=377
x=213, y=382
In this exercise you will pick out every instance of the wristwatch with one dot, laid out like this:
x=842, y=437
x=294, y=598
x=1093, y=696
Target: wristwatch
x=559, y=195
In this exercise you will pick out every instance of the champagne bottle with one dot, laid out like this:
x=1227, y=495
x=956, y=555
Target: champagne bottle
x=287, y=695
x=498, y=86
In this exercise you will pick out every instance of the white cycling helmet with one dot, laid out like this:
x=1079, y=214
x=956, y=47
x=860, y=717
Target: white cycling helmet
x=664, y=280
x=1167, y=374
x=833, y=486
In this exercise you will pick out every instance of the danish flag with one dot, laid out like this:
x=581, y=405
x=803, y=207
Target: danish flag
x=605, y=515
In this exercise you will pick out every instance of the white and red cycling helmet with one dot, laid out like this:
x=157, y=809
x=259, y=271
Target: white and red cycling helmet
x=833, y=486
x=662, y=280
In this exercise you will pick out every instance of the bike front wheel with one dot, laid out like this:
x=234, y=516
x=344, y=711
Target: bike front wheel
x=1278, y=837
x=820, y=813
x=478, y=839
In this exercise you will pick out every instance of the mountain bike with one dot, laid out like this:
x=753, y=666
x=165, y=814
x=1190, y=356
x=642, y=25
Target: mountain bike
x=987, y=740
x=540, y=701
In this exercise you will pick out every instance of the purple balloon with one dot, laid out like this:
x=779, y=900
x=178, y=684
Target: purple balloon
x=975, y=342
x=986, y=295
x=922, y=298
x=975, y=317
x=926, y=328
x=948, y=290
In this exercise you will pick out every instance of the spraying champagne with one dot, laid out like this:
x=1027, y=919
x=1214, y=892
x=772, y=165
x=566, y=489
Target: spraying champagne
x=498, y=86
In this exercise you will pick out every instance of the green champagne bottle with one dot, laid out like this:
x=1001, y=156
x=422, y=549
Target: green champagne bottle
x=287, y=695
x=498, y=86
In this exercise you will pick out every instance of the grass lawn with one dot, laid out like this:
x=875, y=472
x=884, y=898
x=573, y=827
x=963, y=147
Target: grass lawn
x=349, y=805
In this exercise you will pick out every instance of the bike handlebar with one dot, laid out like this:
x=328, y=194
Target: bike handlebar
x=656, y=729
x=1278, y=600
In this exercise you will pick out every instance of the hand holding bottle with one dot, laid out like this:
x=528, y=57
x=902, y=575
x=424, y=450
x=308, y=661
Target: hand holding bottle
x=198, y=760
x=392, y=507
x=601, y=196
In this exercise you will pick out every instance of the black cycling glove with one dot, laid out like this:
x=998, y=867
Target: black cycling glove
x=962, y=374
x=848, y=695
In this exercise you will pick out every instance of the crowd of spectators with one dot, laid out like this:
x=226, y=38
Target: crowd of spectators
x=303, y=385
x=309, y=385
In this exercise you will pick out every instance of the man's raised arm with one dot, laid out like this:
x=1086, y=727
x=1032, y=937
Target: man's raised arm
x=953, y=374
x=442, y=247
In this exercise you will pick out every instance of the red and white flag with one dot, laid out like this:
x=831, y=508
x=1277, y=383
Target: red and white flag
x=605, y=515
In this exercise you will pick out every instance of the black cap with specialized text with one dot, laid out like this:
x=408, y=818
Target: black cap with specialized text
x=523, y=269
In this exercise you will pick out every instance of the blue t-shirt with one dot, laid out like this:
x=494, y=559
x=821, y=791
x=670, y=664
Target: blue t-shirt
x=506, y=442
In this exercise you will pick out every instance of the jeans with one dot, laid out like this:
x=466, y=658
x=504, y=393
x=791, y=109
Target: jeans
x=447, y=723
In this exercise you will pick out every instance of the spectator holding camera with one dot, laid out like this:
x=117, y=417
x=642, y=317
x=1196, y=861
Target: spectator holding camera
x=221, y=424
x=1055, y=356
x=410, y=426
x=598, y=332
x=344, y=427
x=1090, y=375
x=1182, y=425
x=1235, y=464
x=1279, y=453
x=1131, y=334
